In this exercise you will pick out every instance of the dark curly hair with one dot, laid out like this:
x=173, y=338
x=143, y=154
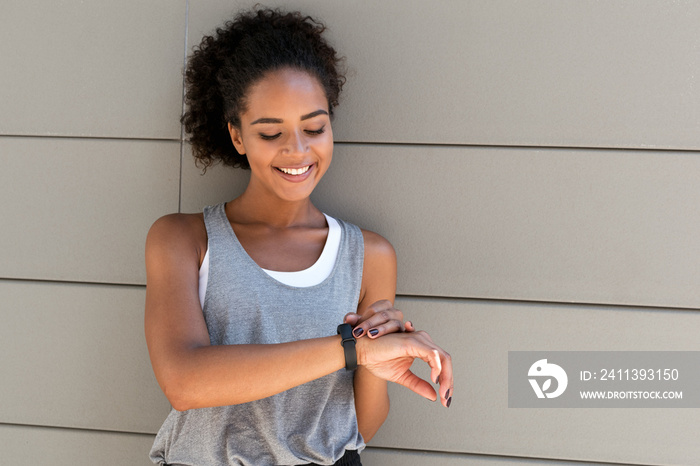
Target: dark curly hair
x=224, y=66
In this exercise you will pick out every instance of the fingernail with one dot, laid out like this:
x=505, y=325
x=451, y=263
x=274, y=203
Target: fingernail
x=358, y=331
x=447, y=393
x=449, y=401
x=374, y=332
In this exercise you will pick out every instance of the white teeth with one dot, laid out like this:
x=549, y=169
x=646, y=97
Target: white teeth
x=295, y=171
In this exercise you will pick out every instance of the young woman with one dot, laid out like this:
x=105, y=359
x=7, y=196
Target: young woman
x=244, y=301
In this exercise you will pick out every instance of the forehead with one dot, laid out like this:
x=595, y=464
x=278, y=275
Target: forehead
x=285, y=91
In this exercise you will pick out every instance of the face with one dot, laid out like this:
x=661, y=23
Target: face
x=286, y=134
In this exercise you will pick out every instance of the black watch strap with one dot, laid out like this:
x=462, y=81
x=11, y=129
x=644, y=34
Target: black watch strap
x=348, y=343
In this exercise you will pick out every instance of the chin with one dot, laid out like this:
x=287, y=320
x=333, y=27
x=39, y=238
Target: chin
x=289, y=197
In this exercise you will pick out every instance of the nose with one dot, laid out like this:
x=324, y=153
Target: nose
x=297, y=143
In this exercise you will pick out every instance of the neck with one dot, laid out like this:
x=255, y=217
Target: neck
x=259, y=208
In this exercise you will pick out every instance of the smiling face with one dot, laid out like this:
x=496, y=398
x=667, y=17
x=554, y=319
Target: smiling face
x=286, y=134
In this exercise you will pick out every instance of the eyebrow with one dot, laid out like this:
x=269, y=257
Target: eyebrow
x=313, y=114
x=278, y=120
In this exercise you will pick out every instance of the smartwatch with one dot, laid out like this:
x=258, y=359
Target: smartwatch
x=348, y=344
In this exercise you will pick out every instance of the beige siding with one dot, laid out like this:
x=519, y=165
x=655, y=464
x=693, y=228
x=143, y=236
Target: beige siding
x=479, y=335
x=389, y=457
x=30, y=446
x=586, y=226
x=88, y=361
x=591, y=226
x=79, y=209
x=97, y=68
x=219, y=183
x=534, y=163
x=502, y=72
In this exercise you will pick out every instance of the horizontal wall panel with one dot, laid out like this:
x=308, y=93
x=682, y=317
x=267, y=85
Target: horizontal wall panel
x=217, y=184
x=394, y=457
x=80, y=209
x=76, y=356
x=97, y=68
x=616, y=227
x=29, y=446
x=24, y=445
x=593, y=226
x=479, y=334
x=499, y=72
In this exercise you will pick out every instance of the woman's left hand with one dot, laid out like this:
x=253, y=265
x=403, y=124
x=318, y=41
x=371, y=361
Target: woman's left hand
x=381, y=318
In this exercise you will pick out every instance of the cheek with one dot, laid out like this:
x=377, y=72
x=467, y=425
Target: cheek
x=259, y=150
x=326, y=159
x=324, y=146
x=326, y=155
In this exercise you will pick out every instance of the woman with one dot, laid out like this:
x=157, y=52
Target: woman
x=243, y=301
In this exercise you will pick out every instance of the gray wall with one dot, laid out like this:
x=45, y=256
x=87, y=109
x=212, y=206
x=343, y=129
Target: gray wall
x=535, y=164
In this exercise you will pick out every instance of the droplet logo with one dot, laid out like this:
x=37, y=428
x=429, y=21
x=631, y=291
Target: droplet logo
x=546, y=371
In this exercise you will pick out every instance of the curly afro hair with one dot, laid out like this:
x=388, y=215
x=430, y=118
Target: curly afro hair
x=225, y=65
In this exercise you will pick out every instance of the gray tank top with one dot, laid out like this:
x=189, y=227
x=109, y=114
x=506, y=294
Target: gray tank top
x=311, y=423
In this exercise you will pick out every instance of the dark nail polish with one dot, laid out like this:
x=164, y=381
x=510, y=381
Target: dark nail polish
x=357, y=332
x=449, y=401
x=447, y=393
x=374, y=332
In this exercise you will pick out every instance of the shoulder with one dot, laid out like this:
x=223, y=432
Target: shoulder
x=178, y=233
x=378, y=270
x=377, y=247
x=174, y=226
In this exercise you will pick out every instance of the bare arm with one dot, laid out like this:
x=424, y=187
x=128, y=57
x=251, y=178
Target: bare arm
x=379, y=283
x=191, y=372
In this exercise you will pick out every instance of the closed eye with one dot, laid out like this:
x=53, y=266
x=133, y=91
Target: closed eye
x=316, y=132
x=312, y=132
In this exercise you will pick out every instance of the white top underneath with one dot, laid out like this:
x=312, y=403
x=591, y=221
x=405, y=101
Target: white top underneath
x=319, y=271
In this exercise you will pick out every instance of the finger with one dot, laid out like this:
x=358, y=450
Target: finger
x=379, y=318
x=417, y=385
x=435, y=365
x=392, y=326
x=381, y=305
x=440, y=362
x=408, y=326
x=432, y=354
x=446, y=381
x=352, y=318
x=370, y=312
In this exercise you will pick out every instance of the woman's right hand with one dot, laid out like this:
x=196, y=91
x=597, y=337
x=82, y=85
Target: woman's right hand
x=381, y=318
x=391, y=357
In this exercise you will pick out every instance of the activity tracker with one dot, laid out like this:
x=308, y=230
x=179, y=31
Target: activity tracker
x=348, y=343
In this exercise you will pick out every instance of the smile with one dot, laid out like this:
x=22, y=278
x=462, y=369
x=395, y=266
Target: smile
x=294, y=171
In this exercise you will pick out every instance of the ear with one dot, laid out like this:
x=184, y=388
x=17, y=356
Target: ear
x=236, y=138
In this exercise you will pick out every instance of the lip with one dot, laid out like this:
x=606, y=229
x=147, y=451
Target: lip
x=296, y=178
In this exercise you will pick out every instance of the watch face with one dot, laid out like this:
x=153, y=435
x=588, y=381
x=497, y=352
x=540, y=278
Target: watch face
x=345, y=331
